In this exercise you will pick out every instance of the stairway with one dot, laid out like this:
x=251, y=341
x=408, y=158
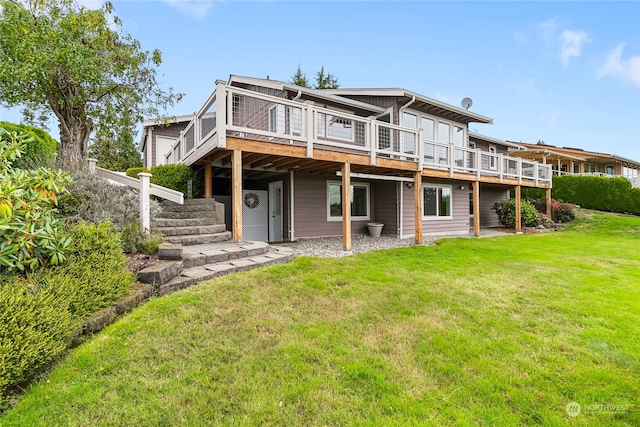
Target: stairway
x=197, y=247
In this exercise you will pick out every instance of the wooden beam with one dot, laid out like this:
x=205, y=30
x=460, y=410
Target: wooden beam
x=346, y=206
x=476, y=208
x=518, y=208
x=236, y=195
x=208, y=180
x=218, y=155
x=417, y=204
x=548, y=202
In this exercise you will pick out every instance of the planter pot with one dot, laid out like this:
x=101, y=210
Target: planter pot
x=375, y=229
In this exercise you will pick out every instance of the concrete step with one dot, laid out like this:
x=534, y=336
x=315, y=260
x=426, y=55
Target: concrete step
x=198, y=239
x=209, y=271
x=189, y=204
x=198, y=255
x=191, y=230
x=199, y=201
x=184, y=222
x=189, y=214
x=160, y=273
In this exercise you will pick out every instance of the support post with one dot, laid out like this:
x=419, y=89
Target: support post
x=518, y=208
x=208, y=180
x=236, y=195
x=417, y=204
x=549, y=202
x=310, y=127
x=346, y=206
x=476, y=208
x=221, y=120
x=145, y=222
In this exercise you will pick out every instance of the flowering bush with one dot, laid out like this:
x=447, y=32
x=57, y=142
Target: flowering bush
x=29, y=230
x=560, y=212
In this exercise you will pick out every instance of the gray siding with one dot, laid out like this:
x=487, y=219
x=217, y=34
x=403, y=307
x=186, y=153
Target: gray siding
x=171, y=131
x=460, y=212
x=385, y=209
x=310, y=208
x=488, y=196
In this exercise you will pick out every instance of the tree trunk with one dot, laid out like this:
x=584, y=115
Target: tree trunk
x=74, y=138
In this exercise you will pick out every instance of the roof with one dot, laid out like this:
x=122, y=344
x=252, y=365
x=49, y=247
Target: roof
x=313, y=93
x=435, y=105
x=478, y=137
x=159, y=122
x=578, y=154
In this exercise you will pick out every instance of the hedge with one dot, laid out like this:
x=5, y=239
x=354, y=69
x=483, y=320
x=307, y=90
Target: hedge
x=39, y=152
x=40, y=315
x=598, y=192
x=175, y=177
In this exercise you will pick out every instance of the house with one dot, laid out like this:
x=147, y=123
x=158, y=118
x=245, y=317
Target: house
x=158, y=137
x=283, y=158
x=575, y=161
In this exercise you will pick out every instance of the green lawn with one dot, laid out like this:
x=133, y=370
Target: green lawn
x=500, y=331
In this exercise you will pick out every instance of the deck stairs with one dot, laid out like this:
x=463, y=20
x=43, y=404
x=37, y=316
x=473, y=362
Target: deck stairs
x=198, y=247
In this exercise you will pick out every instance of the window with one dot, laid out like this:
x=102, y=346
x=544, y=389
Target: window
x=295, y=121
x=436, y=201
x=359, y=201
x=576, y=168
x=458, y=136
x=276, y=119
x=428, y=129
x=492, y=158
x=335, y=127
x=443, y=132
x=472, y=145
x=609, y=170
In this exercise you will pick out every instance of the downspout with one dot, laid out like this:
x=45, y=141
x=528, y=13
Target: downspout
x=400, y=222
x=407, y=104
x=297, y=96
x=291, y=226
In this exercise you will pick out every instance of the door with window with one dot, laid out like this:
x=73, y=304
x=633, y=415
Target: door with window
x=275, y=211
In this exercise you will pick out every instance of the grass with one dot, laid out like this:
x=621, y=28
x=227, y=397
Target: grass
x=500, y=331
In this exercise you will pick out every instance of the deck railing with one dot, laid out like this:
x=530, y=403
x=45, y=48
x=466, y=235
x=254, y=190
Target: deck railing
x=241, y=113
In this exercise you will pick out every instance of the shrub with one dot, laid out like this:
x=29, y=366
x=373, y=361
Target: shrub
x=39, y=151
x=544, y=220
x=133, y=172
x=560, y=212
x=134, y=240
x=29, y=229
x=41, y=314
x=95, y=199
x=177, y=177
x=598, y=192
x=506, y=211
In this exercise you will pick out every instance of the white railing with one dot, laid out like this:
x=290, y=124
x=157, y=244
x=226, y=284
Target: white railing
x=143, y=185
x=241, y=113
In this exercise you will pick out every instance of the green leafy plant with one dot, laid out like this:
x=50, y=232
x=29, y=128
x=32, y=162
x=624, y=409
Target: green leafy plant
x=506, y=211
x=38, y=149
x=133, y=172
x=134, y=240
x=177, y=178
x=29, y=229
x=598, y=192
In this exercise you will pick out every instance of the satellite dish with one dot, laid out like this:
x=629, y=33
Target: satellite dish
x=466, y=103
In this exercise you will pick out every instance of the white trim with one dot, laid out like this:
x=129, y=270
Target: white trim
x=378, y=177
x=438, y=217
x=493, y=161
x=366, y=185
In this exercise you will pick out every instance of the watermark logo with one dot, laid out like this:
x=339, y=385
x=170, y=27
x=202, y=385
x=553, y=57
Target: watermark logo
x=573, y=409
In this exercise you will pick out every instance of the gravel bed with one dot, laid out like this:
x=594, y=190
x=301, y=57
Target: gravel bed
x=331, y=247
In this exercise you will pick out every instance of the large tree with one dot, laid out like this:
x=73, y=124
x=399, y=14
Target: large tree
x=115, y=149
x=79, y=64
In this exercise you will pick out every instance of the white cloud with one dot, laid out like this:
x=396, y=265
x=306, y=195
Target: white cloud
x=627, y=70
x=571, y=42
x=197, y=9
x=90, y=4
x=547, y=30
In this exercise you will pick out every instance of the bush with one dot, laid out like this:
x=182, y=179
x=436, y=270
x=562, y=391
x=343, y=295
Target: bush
x=560, y=212
x=134, y=240
x=41, y=314
x=39, y=151
x=598, y=192
x=133, y=172
x=29, y=230
x=177, y=177
x=506, y=211
x=94, y=199
x=544, y=220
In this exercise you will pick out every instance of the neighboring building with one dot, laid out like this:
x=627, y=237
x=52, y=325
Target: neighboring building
x=158, y=137
x=282, y=158
x=575, y=161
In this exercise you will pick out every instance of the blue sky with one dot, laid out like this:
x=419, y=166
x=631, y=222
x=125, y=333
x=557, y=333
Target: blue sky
x=567, y=73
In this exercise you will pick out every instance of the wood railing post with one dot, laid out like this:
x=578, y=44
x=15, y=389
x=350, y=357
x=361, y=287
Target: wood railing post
x=145, y=221
x=236, y=195
x=311, y=128
x=373, y=140
x=420, y=150
x=451, y=153
x=221, y=114
x=518, y=207
x=478, y=164
x=346, y=207
x=417, y=205
x=476, y=208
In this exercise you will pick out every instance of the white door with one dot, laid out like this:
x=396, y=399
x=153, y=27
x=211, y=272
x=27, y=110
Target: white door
x=254, y=215
x=275, y=211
